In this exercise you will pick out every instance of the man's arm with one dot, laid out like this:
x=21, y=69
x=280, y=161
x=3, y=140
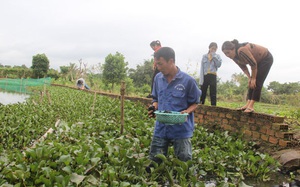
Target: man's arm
x=190, y=109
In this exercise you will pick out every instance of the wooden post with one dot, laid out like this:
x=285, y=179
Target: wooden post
x=43, y=92
x=44, y=86
x=42, y=95
x=5, y=83
x=49, y=97
x=24, y=85
x=92, y=110
x=21, y=85
x=122, y=90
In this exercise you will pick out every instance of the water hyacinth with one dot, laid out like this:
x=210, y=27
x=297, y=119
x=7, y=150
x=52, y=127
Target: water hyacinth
x=87, y=149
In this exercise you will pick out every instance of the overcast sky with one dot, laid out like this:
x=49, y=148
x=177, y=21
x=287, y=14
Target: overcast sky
x=69, y=30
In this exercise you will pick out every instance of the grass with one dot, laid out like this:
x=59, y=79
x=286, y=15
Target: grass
x=278, y=110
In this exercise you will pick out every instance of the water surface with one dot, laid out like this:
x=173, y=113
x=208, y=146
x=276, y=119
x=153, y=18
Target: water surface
x=12, y=98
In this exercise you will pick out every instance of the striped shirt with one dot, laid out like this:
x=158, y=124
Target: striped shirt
x=250, y=54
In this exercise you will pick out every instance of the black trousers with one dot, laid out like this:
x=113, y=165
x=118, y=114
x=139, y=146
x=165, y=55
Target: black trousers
x=263, y=69
x=210, y=80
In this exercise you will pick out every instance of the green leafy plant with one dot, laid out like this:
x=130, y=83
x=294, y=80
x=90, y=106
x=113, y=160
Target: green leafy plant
x=87, y=149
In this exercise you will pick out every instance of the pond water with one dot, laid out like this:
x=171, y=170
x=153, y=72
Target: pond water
x=12, y=98
x=276, y=180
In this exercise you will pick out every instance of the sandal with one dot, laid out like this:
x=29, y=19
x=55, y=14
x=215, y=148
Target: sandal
x=241, y=109
x=249, y=110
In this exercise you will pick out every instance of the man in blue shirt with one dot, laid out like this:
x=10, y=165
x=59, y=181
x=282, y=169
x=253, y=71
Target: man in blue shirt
x=173, y=90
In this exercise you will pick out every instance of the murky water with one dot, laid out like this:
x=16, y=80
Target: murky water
x=11, y=98
x=276, y=180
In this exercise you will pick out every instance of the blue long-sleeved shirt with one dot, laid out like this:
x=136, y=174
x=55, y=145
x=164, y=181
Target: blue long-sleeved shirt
x=207, y=66
x=177, y=95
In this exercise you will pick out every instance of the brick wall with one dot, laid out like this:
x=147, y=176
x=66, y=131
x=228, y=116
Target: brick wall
x=254, y=126
x=258, y=127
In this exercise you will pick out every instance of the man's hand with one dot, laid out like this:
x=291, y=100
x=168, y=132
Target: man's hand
x=184, y=111
x=151, y=110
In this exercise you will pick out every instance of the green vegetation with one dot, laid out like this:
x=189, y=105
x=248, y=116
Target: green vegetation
x=15, y=72
x=87, y=149
x=21, y=85
x=40, y=65
x=108, y=75
x=276, y=99
x=278, y=110
x=114, y=69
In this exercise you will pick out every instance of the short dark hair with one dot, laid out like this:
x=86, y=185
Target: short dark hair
x=165, y=52
x=80, y=82
x=155, y=42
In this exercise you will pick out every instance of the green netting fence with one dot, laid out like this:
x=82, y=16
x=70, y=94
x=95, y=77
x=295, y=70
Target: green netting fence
x=22, y=85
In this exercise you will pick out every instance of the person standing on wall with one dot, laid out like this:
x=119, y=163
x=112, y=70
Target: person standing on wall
x=259, y=59
x=155, y=45
x=208, y=73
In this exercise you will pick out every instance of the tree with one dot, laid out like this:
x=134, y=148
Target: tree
x=64, y=70
x=40, y=65
x=53, y=74
x=226, y=90
x=114, y=69
x=275, y=87
x=285, y=88
x=235, y=89
x=73, y=71
x=142, y=74
x=70, y=72
x=241, y=81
